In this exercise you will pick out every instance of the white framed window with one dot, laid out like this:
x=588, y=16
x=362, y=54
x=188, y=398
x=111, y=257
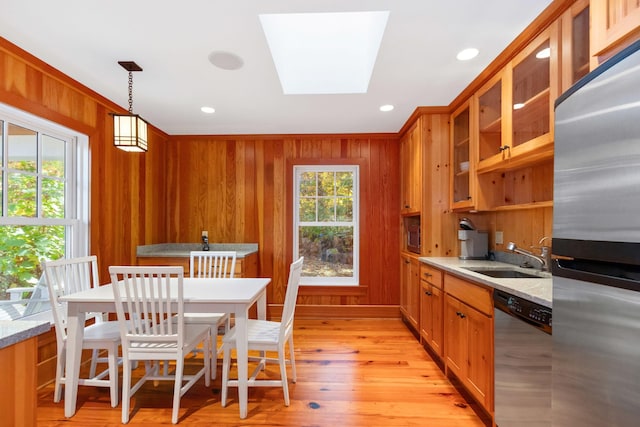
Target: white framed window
x=326, y=223
x=44, y=206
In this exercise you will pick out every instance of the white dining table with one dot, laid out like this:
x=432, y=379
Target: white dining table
x=201, y=295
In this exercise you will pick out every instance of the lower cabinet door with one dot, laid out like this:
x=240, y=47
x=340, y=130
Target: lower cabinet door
x=455, y=337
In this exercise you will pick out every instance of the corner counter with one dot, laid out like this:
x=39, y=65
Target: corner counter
x=19, y=357
x=179, y=253
x=16, y=331
x=538, y=290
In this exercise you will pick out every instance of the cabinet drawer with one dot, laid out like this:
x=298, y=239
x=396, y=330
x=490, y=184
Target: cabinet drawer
x=475, y=296
x=431, y=275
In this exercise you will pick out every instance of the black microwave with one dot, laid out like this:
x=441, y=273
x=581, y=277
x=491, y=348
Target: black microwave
x=413, y=236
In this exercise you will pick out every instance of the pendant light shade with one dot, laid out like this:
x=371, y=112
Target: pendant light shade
x=130, y=130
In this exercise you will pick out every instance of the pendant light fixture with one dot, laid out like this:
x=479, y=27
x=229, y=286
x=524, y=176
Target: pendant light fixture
x=130, y=130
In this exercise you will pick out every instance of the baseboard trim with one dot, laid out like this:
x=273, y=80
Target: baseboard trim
x=304, y=311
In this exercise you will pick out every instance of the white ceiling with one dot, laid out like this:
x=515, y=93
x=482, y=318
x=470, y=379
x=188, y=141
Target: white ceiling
x=171, y=41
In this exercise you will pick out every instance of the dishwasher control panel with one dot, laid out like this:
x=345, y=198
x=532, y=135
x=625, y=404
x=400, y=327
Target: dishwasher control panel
x=536, y=314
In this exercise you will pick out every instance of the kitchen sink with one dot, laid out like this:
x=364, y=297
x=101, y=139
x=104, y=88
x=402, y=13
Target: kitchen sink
x=505, y=273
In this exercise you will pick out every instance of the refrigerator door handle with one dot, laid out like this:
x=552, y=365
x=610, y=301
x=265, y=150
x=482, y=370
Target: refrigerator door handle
x=607, y=275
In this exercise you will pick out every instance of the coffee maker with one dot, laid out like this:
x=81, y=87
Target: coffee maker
x=474, y=244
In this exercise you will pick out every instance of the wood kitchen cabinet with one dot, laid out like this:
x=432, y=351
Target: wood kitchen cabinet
x=431, y=308
x=462, y=160
x=491, y=126
x=576, y=58
x=614, y=24
x=516, y=107
x=19, y=380
x=468, y=332
x=515, y=122
x=411, y=170
x=410, y=289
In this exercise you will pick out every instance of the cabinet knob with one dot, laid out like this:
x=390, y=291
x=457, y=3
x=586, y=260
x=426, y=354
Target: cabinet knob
x=460, y=314
x=427, y=293
x=427, y=274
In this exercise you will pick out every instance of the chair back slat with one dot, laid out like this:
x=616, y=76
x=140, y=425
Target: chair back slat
x=216, y=264
x=147, y=310
x=293, y=284
x=65, y=277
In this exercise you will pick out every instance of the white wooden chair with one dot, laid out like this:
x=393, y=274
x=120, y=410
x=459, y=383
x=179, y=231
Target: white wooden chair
x=67, y=276
x=265, y=335
x=208, y=264
x=153, y=329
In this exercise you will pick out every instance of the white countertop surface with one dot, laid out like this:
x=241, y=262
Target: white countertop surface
x=15, y=331
x=538, y=290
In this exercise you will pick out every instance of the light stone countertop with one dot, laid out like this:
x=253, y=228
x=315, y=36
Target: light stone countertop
x=184, y=249
x=15, y=331
x=538, y=290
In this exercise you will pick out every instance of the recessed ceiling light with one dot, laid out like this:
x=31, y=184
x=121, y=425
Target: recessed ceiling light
x=544, y=53
x=226, y=60
x=467, y=54
x=386, y=107
x=208, y=110
x=324, y=53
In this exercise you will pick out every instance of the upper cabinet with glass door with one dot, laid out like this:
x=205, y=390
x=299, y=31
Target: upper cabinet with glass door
x=516, y=110
x=490, y=108
x=575, y=38
x=462, y=170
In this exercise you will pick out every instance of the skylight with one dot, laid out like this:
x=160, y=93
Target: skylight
x=324, y=53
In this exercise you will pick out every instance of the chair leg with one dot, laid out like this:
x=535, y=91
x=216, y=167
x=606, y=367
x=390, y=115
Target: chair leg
x=226, y=365
x=292, y=359
x=207, y=363
x=283, y=374
x=213, y=354
x=57, y=392
x=113, y=374
x=126, y=390
x=177, y=389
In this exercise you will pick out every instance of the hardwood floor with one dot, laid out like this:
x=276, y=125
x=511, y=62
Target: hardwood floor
x=350, y=373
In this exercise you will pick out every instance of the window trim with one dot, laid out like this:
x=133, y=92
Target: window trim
x=353, y=165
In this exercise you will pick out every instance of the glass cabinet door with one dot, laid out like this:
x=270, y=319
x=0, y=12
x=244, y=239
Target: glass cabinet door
x=531, y=95
x=461, y=192
x=576, y=57
x=580, y=45
x=490, y=121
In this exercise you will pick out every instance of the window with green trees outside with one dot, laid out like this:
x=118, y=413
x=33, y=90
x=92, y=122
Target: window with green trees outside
x=326, y=223
x=38, y=210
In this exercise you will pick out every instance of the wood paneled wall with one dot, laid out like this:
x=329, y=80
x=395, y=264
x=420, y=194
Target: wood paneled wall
x=128, y=190
x=238, y=188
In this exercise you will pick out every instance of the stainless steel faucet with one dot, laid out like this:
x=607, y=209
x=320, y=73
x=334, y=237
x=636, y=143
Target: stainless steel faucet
x=544, y=258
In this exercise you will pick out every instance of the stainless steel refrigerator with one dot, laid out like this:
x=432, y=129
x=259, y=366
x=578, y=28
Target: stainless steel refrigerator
x=596, y=236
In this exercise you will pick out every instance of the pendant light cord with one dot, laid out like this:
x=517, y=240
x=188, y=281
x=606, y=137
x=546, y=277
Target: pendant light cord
x=130, y=92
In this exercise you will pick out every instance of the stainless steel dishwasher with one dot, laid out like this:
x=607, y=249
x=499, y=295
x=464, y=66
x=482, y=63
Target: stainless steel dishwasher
x=522, y=354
